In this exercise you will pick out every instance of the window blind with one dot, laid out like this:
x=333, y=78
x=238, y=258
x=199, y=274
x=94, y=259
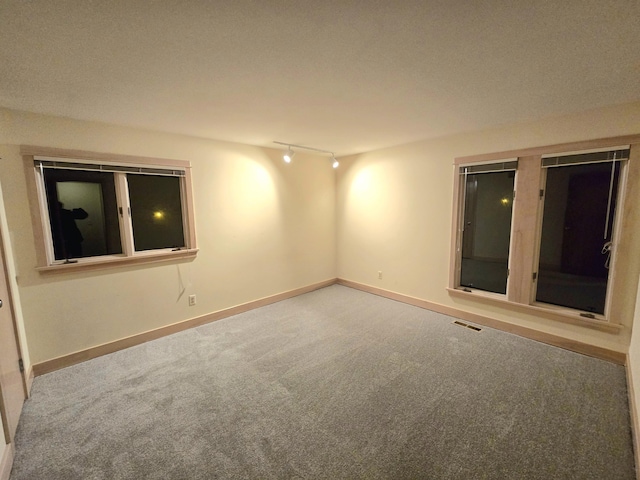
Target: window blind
x=617, y=154
x=99, y=167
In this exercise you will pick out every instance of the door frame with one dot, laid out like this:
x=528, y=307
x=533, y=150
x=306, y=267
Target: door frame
x=9, y=305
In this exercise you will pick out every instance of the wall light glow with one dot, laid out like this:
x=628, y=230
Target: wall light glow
x=158, y=215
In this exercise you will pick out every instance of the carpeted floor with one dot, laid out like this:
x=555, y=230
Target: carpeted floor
x=333, y=384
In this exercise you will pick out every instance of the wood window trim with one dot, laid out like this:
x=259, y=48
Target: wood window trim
x=525, y=234
x=28, y=153
x=98, y=263
x=552, y=312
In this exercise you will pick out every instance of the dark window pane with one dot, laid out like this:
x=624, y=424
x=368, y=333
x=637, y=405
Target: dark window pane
x=577, y=224
x=82, y=213
x=487, y=230
x=156, y=211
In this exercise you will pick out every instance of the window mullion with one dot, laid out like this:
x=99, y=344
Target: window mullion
x=538, y=237
x=124, y=214
x=523, y=230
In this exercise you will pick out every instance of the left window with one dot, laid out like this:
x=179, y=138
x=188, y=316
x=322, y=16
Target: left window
x=83, y=213
x=486, y=225
x=93, y=209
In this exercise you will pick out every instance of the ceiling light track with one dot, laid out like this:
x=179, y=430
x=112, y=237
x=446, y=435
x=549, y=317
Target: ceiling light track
x=288, y=155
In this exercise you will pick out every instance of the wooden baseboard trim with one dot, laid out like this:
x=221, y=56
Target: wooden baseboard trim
x=550, y=339
x=6, y=462
x=106, y=348
x=633, y=415
x=29, y=380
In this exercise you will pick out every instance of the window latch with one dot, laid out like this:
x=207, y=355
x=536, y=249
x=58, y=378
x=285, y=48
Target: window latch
x=122, y=211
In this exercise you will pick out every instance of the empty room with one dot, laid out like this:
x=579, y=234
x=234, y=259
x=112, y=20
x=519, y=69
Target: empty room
x=319, y=240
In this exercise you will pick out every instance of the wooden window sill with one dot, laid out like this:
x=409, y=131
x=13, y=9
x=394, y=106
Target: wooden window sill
x=99, y=263
x=552, y=312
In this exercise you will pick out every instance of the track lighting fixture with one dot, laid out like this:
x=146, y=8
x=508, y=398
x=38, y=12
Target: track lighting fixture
x=288, y=155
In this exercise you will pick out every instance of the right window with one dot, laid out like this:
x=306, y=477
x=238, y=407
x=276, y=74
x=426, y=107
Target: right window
x=546, y=229
x=156, y=211
x=580, y=197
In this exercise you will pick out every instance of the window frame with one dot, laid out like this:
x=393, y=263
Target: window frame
x=616, y=230
x=526, y=227
x=45, y=257
x=460, y=221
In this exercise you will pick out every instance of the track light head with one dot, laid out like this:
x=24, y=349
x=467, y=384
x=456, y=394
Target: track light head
x=288, y=156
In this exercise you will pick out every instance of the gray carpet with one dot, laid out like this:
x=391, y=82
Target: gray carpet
x=333, y=384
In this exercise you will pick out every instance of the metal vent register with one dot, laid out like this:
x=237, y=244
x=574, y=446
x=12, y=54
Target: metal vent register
x=466, y=325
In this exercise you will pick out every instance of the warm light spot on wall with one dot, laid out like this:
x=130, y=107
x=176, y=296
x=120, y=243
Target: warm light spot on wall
x=374, y=203
x=263, y=179
x=253, y=196
x=158, y=215
x=505, y=201
x=362, y=183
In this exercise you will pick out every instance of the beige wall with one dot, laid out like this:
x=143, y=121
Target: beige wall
x=394, y=211
x=263, y=228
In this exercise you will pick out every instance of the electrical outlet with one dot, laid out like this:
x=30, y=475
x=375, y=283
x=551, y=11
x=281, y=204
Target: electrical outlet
x=192, y=300
x=379, y=274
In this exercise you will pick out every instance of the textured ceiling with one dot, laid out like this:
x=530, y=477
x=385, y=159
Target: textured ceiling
x=347, y=76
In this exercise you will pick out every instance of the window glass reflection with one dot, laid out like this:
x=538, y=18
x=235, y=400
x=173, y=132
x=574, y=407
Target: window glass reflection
x=577, y=226
x=156, y=211
x=82, y=213
x=487, y=230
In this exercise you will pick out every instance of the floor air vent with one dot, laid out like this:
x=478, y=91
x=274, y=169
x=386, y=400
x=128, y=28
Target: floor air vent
x=462, y=324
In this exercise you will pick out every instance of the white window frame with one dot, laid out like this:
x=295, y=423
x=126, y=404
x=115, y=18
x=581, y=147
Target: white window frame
x=615, y=234
x=460, y=220
x=526, y=229
x=40, y=214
